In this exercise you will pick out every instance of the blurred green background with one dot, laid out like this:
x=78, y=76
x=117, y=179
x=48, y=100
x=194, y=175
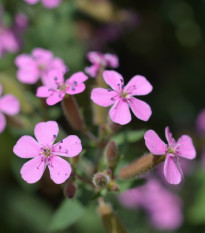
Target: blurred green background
x=162, y=40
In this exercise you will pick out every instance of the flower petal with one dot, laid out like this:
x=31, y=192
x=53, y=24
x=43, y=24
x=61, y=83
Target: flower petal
x=92, y=70
x=138, y=85
x=60, y=170
x=103, y=97
x=53, y=78
x=94, y=57
x=169, y=136
x=42, y=54
x=72, y=90
x=31, y=1
x=69, y=147
x=46, y=132
x=43, y=91
x=27, y=147
x=172, y=171
x=78, y=77
x=33, y=170
x=186, y=148
x=55, y=98
x=2, y=122
x=141, y=109
x=9, y=104
x=113, y=79
x=111, y=60
x=120, y=113
x=153, y=142
x=28, y=71
x=51, y=3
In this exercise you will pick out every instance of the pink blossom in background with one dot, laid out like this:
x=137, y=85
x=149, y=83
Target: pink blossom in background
x=163, y=206
x=200, y=122
x=174, y=150
x=9, y=105
x=121, y=97
x=98, y=59
x=44, y=153
x=46, y=3
x=55, y=88
x=10, y=37
x=32, y=67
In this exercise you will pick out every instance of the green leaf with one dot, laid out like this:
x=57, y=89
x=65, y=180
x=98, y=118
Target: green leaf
x=128, y=136
x=68, y=213
x=196, y=213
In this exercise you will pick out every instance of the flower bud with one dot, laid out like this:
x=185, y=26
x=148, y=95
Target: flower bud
x=110, y=221
x=70, y=189
x=101, y=180
x=141, y=166
x=114, y=127
x=111, y=154
x=72, y=113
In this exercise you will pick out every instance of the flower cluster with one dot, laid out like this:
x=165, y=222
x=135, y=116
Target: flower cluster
x=41, y=63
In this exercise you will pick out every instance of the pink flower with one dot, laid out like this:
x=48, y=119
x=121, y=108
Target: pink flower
x=46, y=3
x=55, y=88
x=121, y=97
x=98, y=59
x=9, y=105
x=43, y=152
x=163, y=206
x=32, y=67
x=174, y=150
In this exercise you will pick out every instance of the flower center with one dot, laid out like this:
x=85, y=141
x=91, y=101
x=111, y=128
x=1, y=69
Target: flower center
x=62, y=87
x=41, y=67
x=46, y=152
x=171, y=150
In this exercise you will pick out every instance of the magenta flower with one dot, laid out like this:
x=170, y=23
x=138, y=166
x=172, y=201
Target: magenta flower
x=55, y=88
x=173, y=150
x=98, y=59
x=32, y=67
x=121, y=97
x=164, y=207
x=9, y=105
x=46, y=3
x=43, y=152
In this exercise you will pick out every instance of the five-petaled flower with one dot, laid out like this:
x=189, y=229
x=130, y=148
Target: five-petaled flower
x=44, y=153
x=98, y=59
x=55, y=88
x=9, y=105
x=173, y=150
x=35, y=66
x=46, y=3
x=121, y=97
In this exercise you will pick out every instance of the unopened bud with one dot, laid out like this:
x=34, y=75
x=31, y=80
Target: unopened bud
x=114, y=127
x=113, y=186
x=72, y=113
x=111, y=154
x=141, y=166
x=101, y=180
x=70, y=189
x=110, y=221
